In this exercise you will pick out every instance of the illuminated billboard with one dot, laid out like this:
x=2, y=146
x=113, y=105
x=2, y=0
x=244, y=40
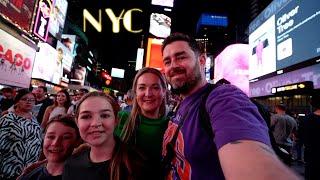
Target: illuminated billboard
x=46, y=65
x=16, y=60
x=18, y=12
x=58, y=16
x=167, y=3
x=232, y=64
x=154, y=55
x=284, y=34
x=42, y=19
x=119, y=73
x=160, y=25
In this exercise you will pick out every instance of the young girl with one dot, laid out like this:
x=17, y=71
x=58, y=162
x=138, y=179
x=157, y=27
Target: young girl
x=60, y=106
x=107, y=157
x=61, y=137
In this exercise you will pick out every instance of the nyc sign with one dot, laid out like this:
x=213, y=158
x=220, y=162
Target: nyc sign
x=125, y=16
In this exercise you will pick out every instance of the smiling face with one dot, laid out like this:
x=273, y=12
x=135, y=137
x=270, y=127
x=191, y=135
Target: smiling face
x=59, y=142
x=182, y=66
x=150, y=94
x=61, y=98
x=96, y=121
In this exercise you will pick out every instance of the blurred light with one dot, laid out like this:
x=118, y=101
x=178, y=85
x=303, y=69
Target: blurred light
x=88, y=68
x=280, y=72
x=167, y=9
x=89, y=60
x=91, y=53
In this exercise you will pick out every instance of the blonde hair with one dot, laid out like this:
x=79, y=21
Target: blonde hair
x=131, y=125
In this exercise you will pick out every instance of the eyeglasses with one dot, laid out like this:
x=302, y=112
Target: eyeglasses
x=27, y=100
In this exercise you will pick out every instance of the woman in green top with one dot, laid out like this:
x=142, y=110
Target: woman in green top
x=145, y=125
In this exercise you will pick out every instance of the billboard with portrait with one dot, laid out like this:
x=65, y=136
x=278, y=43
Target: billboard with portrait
x=16, y=61
x=284, y=34
x=42, y=19
x=46, y=65
x=58, y=17
x=19, y=13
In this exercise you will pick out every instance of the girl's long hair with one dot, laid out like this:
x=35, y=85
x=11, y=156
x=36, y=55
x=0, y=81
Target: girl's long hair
x=120, y=157
x=68, y=100
x=131, y=124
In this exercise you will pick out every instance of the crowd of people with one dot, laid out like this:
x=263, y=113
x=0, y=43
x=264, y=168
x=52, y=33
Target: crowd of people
x=193, y=131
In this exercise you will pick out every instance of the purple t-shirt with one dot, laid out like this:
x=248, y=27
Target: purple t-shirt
x=233, y=117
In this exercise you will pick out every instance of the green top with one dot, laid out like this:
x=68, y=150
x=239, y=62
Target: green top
x=148, y=138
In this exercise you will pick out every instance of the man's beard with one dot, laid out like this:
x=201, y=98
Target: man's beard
x=189, y=84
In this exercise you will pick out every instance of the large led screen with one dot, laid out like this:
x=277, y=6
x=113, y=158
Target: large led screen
x=58, y=16
x=284, y=34
x=47, y=65
x=16, y=61
x=167, y=3
x=18, y=12
x=160, y=25
x=154, y=55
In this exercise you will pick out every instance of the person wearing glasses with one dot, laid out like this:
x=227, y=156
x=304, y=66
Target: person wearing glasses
x=20, y=137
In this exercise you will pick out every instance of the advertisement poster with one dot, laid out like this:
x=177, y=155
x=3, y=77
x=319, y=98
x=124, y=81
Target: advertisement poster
x=65, y=58
x=42, y=19
x=58, y=17
x=46, y=65
x=160, y=25
x=16, y=61
x=262, y=49
x=18, y=12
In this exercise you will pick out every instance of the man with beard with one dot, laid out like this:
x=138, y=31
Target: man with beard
x=239, y=147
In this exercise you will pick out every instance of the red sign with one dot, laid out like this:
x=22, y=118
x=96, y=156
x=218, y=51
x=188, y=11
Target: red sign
x=19, y=12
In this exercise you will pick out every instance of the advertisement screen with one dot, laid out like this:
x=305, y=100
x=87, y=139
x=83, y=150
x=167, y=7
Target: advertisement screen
x=115, y=72
x=46, y=65
x=42, y=19
x=154, y=55
x=58, y=16
x=160, y=25
x=167, y=3
x=232, y=64
x=284, y=34
x=16, y=61
x=78, y=75
x=18, y=12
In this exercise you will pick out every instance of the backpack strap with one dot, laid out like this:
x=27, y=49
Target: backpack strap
x=203, y=113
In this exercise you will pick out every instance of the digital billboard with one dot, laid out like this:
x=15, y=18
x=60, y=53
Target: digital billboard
x=232, y=64
x=154, y=55
x=18, y=12
x=167, y=3
x=58, y=16
x=160, y=25
x=46, y=65
x=16, y=61
x=284, y=34
x=42, y=19
x=119, y=73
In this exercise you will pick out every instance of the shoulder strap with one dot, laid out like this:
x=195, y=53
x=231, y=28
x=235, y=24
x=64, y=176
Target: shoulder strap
x=203, y=113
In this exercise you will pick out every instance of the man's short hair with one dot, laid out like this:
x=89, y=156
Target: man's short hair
x=45, y=89
x=7, y=90
x=182, y=37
